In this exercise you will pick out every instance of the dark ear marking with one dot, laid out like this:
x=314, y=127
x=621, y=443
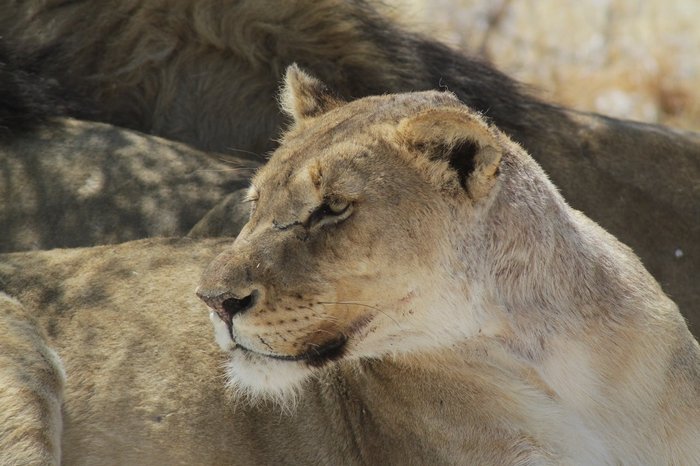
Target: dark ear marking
x=461, y=139
x=461, y=158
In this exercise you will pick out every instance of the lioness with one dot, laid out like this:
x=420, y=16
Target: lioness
x=410, y=287
x=403, y=227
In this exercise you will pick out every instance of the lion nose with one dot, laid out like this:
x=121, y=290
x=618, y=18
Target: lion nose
x=227, y=304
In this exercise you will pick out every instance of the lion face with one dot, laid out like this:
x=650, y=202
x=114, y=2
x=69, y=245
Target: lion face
x=350, y=237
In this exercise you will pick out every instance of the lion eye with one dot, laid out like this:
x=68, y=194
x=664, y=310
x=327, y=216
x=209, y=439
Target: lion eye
x=335, y=207
x=330, y=212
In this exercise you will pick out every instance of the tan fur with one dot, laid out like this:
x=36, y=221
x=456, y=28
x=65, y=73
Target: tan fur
x=427, y=262
x=489, y=326
x=74, y=183
x=205, y=72
x=31, y=390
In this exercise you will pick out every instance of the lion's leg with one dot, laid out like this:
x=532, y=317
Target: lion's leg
x=31, y=387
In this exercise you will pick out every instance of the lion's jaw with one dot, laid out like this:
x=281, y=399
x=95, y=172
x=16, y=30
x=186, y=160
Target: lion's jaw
x=254, y=376
x=264, y=368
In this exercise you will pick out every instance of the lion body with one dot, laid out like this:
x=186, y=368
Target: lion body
x=405, y=227
x=145, y=383
x=70, y=183
x=521, y=333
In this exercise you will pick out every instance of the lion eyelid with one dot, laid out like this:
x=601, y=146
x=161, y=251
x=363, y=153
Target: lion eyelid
x=325, y=212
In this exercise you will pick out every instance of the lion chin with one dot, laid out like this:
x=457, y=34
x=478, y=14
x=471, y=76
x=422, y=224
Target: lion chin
x=256, y=377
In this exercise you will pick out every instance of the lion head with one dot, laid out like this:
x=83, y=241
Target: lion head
x=357, y=223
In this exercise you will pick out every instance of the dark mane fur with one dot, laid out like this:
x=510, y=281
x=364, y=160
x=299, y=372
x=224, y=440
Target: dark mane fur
x=26, y=99
x=349, y=44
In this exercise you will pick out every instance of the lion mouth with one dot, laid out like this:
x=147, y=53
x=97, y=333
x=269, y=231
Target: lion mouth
x=316, y=356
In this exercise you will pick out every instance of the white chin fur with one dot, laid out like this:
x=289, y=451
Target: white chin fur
x=258, y=378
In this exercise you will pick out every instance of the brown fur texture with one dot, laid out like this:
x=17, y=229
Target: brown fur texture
x=497, y=325
x=403, y=226
x=145, y=383
x=31, y=391
x=70, y=183
x=227, y=218
x=204, y=72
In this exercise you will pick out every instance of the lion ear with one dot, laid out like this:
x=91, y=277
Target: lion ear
x=459, y=139
x=304, y=96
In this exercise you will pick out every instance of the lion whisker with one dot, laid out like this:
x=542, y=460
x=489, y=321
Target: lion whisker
x=245, y=152
x=364, y=305
x=236, y=169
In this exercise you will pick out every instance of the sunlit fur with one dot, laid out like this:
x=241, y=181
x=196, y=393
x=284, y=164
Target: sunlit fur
x=433, y=258
x=32, y=379
x=486, y=322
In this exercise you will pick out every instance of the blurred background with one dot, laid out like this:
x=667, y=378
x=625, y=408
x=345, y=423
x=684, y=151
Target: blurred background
x=634, y=59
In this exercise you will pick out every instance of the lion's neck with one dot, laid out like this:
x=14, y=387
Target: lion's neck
x=562, y=346
x=548, y=270
x=568, y=303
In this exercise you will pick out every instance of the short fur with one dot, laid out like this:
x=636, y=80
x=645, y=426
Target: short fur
x=481, y=320
x=204, y=71
x=69, y=183
x=425, y=257
x=31, y=390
